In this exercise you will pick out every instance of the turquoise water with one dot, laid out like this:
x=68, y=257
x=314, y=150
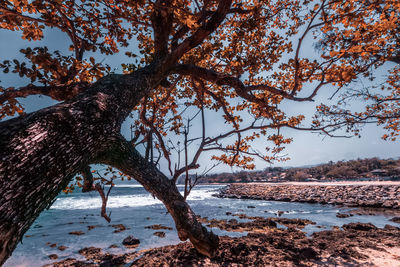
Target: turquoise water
x=132, y=206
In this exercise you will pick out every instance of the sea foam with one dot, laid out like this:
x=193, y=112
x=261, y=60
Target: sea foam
x=134, y=200
x=71, y=203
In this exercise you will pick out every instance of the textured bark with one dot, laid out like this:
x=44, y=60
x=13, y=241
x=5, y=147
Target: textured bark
x=123, y=156
x=42, y=151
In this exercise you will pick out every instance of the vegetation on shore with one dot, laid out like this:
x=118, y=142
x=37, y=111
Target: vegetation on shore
x=372, y=168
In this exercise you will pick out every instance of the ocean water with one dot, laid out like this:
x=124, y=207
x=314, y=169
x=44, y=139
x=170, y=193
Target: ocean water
x=133, y=207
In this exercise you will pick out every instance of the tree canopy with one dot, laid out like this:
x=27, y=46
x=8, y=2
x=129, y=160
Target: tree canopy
x=246, y=60
x=238, y=57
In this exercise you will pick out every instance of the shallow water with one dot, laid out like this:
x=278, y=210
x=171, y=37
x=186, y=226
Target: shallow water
x=132, y=206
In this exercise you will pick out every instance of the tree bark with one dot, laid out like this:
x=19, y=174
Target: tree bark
x=42, y=151
x=123, y=156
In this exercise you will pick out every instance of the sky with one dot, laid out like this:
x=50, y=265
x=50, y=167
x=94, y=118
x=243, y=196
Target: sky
x=306, y=149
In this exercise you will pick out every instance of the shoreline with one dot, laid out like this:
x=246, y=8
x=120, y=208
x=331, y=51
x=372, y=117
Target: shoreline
x=358, y=244
x=313, y=183
x=249, y=222
x=331, y=183
x=372, y=194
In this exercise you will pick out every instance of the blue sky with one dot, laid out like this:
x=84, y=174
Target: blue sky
x=307, y=148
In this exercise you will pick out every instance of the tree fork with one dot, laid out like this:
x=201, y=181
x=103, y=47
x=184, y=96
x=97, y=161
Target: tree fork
x=42, y=151
x=123, y=156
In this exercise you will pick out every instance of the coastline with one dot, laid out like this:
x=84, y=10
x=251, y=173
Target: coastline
x=354, y=194
x=332, y=183
x=355, y=244
x=253, y=232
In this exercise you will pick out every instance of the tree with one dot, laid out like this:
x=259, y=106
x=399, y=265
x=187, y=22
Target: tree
x=301, y=176
x=363, y=36
x=243, y=59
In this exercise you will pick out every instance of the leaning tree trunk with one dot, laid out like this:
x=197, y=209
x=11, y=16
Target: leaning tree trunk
x=123, y=156
x=42, y=151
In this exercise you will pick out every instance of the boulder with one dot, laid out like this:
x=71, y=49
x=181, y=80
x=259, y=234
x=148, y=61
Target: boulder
x=130, y=241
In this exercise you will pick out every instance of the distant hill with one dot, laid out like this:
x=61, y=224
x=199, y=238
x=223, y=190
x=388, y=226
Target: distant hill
x=363, y=169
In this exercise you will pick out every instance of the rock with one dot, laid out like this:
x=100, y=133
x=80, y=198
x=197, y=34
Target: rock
x=103, y=260
x=118, y=227
x=113, y=246
x=391, y=228
x=359, y=226
x=159, y=234
x=130, y=241
x=62, y=248
x=395, y=219
x=308, y=253
x=347, y=247
x=251, y=207
x=91, y=253
x=53, y=256
x=296, y=223
x=240, y=248
x=232, y=225
x=70, y=262
x=348, y=195
x=233, y=221
x=343, y=215
x=76, y=233
x=388, y=204
x=158, y=227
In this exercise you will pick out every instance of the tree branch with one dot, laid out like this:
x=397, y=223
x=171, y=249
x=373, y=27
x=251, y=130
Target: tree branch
x=161, y=22
x=60, y=93
x=124, y=157
x=104, y=199
x=234, y=82
x=87, y=179
x=203, y=32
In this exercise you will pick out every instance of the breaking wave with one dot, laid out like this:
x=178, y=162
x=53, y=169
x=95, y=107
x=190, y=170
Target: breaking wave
x=119, y=201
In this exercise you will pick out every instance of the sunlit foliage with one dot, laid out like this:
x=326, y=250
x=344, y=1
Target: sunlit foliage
x=241, y=59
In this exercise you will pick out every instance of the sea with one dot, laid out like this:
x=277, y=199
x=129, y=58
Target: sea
x=132, y=206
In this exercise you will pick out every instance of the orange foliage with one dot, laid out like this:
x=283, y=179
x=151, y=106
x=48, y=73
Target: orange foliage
x=243, y=59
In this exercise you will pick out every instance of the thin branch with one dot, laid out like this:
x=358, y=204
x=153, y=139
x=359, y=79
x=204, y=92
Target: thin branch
x=104, y=199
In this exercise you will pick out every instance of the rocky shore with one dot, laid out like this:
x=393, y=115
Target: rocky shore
x=276, y=241
x=377, y=196
x=355, y=244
